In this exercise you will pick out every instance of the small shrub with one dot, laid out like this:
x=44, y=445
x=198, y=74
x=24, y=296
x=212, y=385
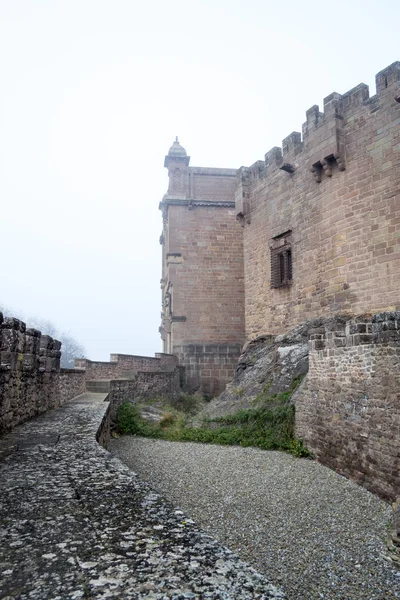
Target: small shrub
x=237, y=391
x=128, y=420
x=167, y=419
x=297, y=448
x=187, y=403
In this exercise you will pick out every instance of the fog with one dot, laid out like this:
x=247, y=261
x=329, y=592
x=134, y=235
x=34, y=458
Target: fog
x=94, y=92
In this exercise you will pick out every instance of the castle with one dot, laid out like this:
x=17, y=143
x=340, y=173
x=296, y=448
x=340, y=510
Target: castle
x=305, y=242
x=312, y=230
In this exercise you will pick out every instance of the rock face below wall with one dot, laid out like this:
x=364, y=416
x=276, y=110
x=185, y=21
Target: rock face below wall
x=267, y=363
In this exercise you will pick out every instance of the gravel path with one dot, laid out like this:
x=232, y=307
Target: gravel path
x=307, y=529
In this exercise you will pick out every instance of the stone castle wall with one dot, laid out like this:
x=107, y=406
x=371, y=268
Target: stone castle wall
x=30, y=381
x=208, y=367
x=205, y=280
x=332, y=196
x=125, y=365
x=205, y=274
x=202, y=276
x=71, y=383
x=348, y=408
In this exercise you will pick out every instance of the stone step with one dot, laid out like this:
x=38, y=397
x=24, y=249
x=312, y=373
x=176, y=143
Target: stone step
x=101, y=386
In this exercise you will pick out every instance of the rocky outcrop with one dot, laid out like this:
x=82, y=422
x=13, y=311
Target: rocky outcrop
x=268, y=365
x=347, y=407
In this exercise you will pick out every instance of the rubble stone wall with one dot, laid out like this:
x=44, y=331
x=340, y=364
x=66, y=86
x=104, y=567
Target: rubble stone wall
x=125, y=365
x=29, y=371
x=98, y=370
x=71, y=383
x=348, y=407
x=31, y=381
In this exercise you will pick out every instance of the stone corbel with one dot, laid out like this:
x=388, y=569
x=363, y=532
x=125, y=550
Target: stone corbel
x=316, y=170
x=340, y=161
x=327, y=167
x=288, y=167
x=244, y=215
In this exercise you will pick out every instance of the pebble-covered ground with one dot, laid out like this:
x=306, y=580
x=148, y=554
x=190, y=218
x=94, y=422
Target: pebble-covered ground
x=303, y=526
x=77, y=523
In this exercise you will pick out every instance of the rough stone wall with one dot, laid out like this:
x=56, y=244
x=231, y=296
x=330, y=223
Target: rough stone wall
x=29, y=370
x=348, y=408
x=128, y=362
x=99, y=370
x=209, y=367
x=167, y=361
x=144, y=385
x=71, y=383
x=125, y=365
x=336, y=188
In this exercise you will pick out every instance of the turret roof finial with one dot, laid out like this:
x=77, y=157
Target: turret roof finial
x=176, y=149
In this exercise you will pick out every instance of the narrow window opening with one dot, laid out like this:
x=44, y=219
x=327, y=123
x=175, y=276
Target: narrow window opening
x=281, y=260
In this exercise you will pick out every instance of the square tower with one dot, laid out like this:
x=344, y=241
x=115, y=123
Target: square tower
x=202, y=272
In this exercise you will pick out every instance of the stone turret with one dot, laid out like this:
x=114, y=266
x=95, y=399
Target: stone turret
x=177, y=163
x=199, y=232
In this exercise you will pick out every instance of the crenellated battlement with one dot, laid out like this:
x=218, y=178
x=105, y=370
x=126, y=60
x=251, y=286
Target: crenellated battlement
x=320, y=214
x=321, y=146
x=31, y=381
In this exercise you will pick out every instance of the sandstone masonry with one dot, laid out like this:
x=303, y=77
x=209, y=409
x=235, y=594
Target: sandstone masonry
x=125, y=366
x=320, y=232
x=202, y=274
x=319, y=240
x=328, y=203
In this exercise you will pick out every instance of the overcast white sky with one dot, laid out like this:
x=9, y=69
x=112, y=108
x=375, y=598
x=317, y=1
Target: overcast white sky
x=92, y=94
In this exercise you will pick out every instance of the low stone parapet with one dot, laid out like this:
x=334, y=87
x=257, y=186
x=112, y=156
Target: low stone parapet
x=29, y=372
x=126, y=366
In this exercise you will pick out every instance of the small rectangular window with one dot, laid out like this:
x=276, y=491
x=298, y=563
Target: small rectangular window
x=281, y=260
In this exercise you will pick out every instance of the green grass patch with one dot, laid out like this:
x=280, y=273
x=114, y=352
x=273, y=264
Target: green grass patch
x=270, y=426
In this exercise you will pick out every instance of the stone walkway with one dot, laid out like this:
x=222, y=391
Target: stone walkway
x=77, y=523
